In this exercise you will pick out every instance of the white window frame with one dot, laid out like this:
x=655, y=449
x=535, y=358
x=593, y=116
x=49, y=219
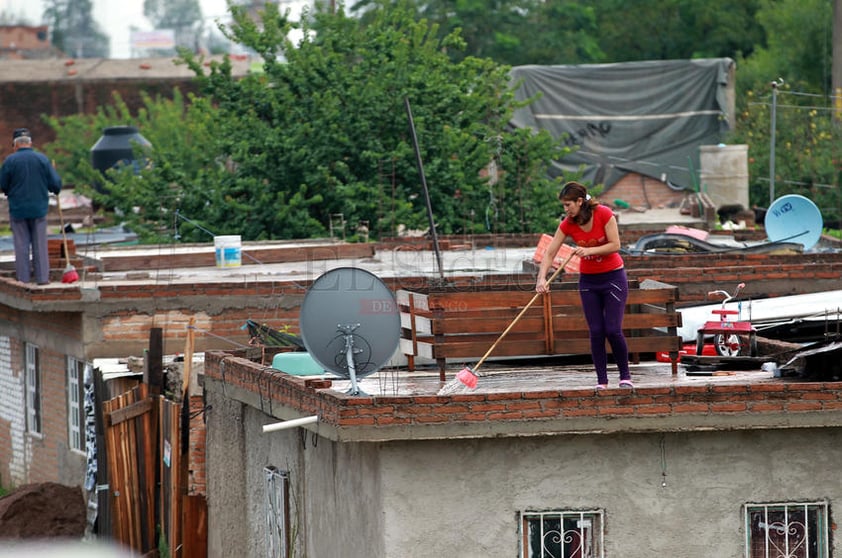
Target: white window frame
x=32, y=383
x=76, y=404
x=277, y=512
x=582, y=538
x=788, y=529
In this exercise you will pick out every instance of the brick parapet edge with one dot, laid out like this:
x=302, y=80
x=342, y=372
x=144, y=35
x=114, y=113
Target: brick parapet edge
x=342, y=411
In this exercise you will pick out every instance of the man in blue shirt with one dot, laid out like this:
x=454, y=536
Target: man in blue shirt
x=27, y=178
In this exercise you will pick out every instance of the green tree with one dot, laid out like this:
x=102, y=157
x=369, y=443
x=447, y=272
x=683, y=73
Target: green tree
x=512, y=32
x=326, y=132
x=75, y=32
x=676, y=29
x=798, y=47
x=181, y=180
x=807, y=157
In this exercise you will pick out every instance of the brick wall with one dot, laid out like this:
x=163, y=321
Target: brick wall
x=44, y=465
x=764, y=274
x=65, y=98
x=18, y=40
x=344, y=411
x=641, y=191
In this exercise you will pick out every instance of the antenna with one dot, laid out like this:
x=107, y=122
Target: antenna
x=794, y=217
x=350, y=323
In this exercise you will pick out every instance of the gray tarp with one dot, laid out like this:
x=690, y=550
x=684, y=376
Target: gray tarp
x=645, y=117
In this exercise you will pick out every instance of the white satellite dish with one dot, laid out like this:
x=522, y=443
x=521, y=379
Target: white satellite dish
x=350, y=323
x=794, y=218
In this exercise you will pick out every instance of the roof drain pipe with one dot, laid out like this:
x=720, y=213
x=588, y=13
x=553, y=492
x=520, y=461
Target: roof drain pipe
x=283, y=425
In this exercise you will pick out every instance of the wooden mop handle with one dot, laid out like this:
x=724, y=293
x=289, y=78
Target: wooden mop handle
x=522, y=312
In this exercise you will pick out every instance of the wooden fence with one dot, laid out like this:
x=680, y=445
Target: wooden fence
x=146, y=452
x=459, y=324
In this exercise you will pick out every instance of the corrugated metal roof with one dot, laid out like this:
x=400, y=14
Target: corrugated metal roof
x=105, y=69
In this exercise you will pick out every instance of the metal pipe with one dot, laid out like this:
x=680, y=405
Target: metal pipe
x=774, y=116
x=424, y=186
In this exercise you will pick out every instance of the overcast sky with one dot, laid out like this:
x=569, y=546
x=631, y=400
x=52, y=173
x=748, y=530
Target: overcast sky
x=115, y=17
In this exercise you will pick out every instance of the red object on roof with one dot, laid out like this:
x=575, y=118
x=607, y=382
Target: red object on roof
x=565, y=250
x=698, y=234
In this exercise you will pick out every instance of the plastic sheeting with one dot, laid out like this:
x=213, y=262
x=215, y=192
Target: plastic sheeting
x=644, y=117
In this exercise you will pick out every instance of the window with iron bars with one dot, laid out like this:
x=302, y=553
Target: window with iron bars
x=277, y=512
x=787, y=530
x=562, y=534
x=33, y=389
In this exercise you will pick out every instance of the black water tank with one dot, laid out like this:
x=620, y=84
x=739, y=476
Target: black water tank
x=115, y=146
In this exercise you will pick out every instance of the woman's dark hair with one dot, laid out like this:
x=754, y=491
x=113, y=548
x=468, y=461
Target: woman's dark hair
x=572, y=191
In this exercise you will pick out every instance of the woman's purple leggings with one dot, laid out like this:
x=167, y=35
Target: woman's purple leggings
x=604, y=302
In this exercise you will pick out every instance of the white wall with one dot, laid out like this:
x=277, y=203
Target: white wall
x=13, y=412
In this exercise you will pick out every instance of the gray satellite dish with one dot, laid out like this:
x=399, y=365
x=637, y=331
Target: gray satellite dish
x=350, y=324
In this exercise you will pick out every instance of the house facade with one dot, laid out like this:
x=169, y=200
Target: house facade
x=726, y=466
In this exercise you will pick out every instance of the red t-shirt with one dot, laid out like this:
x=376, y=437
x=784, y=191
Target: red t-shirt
x=595, y=237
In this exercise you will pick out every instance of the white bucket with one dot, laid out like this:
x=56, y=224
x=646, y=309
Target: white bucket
x=228, y=250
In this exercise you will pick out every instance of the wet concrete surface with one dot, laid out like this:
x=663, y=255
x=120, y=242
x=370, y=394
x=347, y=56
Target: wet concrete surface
x=540, y=376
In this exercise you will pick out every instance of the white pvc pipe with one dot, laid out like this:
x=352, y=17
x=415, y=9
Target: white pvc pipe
x=289, y=423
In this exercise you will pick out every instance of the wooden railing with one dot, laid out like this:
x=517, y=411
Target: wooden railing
x=463, y=325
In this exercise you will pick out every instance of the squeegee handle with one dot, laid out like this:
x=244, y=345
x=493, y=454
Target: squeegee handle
x=522, y=312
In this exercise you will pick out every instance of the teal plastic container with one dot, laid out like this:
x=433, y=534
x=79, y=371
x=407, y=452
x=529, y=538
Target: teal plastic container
x=297, y=364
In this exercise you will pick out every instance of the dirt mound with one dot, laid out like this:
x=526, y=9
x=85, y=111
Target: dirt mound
x=43, y=511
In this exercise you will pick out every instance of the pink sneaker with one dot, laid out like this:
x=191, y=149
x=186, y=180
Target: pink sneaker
x=626, y=384
x=601, y=386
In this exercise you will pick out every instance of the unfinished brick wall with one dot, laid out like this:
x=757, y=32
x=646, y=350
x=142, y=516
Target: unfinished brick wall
x=345, y=411
x=52, y=442
x=24, y=104
x=642, y=191
x=764, y=274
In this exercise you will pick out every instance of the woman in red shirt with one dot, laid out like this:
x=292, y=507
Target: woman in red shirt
x=603, y=286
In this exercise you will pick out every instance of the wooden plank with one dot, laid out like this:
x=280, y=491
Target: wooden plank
x=419, y=300
x=475, y=349
x=195, y=530
x=178, y=482
x=129, y=412
x=549, y=329
x=150, y=445
x=630, y=322
x=481, y=302
x=635, y=345
x=422, y=324
x=533, y=323
x=166, y=451
x=653, y=296
x=648, y=321
x=470, y=348
x=154, y=374
x=146, y=471
x=462, y=301
x=130, y=442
